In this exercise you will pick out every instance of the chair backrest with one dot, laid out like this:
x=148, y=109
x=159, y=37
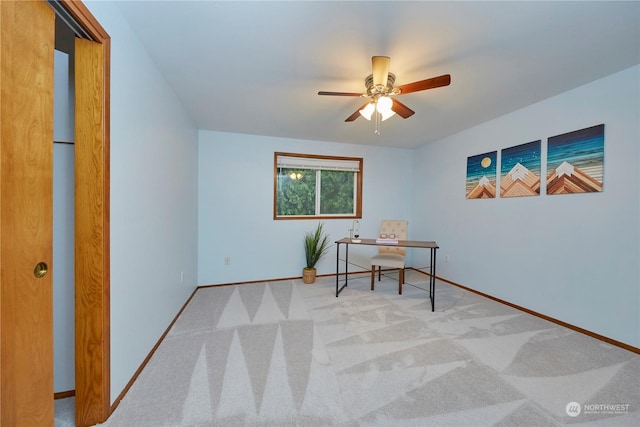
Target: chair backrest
x=397, y=227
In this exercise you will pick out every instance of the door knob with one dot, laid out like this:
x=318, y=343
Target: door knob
x=41, y=269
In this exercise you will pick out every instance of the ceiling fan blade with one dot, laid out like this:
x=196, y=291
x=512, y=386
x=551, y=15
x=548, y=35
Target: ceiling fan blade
x=356, y=114
x=400, y=109
x=431, y=83
x=380, y=67
x=339, y=93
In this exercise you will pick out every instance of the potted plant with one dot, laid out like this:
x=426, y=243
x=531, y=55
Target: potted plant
x=316, y=244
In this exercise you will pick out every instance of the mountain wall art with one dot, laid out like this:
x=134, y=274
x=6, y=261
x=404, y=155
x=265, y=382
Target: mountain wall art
x=481, y=176
x=575, y=161
x=520, y=170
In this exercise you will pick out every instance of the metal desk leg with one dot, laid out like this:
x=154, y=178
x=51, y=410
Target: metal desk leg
x=337, y=267
x=346, y=268
x=346, y=264
x=432, y=279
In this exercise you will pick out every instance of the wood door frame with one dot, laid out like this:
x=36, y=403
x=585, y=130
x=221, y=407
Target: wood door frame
x=92, y=237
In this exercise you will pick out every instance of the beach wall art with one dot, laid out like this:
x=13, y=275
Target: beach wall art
x=520, y=170
x=481, y=176
x=575, y=161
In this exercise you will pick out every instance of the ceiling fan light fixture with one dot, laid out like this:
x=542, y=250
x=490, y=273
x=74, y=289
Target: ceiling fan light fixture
x=367, y=111
x=387, y=115
x=383, y=106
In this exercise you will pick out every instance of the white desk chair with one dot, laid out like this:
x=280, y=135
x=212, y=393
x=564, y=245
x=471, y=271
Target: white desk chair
x=390, y=255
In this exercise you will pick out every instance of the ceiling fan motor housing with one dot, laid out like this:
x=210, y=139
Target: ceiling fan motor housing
x=376, y=91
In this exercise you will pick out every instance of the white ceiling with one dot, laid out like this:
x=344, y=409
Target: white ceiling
x=256, y=67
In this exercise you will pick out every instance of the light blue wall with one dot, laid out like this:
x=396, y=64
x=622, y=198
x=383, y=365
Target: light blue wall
x=63, y=103
x=153, y=200
x=572, y=257
x=235, y=206
x=63, y=271
x=63, y=225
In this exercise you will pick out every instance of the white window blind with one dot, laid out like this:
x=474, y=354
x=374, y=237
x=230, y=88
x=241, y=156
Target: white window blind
x=318, y=164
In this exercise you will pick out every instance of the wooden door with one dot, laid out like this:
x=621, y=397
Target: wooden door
x=91, y=235
x=26, y=160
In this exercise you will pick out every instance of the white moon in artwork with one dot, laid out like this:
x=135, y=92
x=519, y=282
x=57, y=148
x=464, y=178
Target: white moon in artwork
x=485, y=162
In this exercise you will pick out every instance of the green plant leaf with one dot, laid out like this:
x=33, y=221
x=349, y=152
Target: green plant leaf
x=316, y=244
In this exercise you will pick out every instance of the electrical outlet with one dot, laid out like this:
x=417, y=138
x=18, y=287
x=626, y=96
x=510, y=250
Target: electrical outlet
x=182, y=277
x=227, y=260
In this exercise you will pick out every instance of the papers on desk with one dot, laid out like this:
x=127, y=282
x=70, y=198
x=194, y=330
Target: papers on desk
x=381, y=241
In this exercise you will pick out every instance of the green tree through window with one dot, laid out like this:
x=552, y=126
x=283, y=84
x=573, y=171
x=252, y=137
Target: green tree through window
x=317, y=186
x=296, y=192
x=336, y=192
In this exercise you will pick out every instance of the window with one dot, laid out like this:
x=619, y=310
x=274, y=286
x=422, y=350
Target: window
x=311, y=186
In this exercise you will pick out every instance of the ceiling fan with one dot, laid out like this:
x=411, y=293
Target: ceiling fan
x=380, y=89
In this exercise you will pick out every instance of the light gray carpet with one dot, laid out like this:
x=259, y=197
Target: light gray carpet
x=64, y=412
x=290, y=354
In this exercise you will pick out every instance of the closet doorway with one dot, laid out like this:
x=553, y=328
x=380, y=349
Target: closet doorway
x=26, y=157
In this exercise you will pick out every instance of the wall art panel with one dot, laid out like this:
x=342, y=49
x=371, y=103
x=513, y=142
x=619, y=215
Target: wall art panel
x=575, y=161
x=481, y=176
x=520, y=170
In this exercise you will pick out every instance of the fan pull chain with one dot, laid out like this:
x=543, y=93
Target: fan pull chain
x=377, y=114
